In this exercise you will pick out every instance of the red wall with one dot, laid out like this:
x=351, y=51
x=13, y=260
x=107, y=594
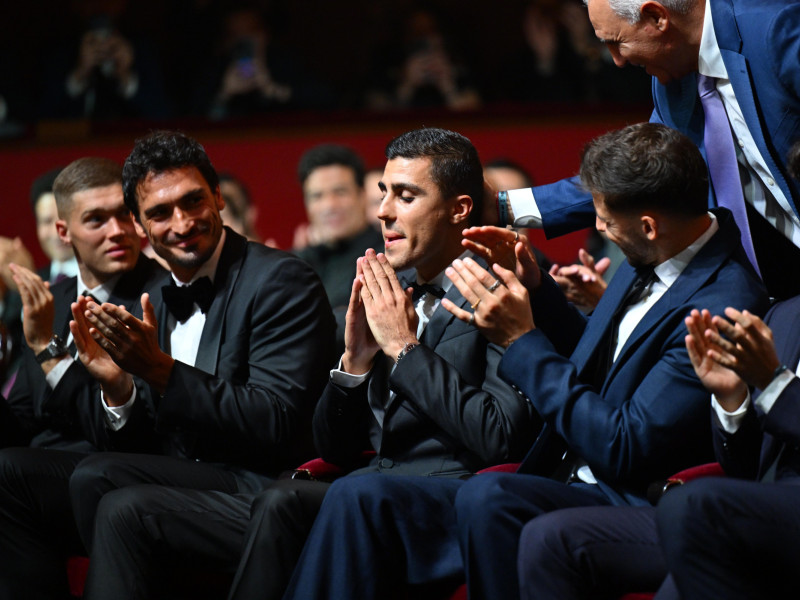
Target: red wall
x=265, y=157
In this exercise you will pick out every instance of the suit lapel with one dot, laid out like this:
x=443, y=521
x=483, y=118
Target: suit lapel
x=228, y=269
x=600, y=322
x=699, y=270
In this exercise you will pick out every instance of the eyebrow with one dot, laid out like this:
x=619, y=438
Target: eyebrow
x=399, y=188
x=190, y=194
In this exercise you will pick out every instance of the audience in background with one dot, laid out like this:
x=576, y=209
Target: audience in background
x=251, y=74
x=421, y=70
x=338, y=233
x=372, y=178
x=43, y=203
x=104, y=73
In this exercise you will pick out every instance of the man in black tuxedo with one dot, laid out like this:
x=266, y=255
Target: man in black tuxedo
x=54, y=405
x=419, y=387
x=222, y=371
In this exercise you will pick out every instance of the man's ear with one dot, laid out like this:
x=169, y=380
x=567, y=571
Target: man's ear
x=63, y=232
x=220, y=201
x=462, y=208
x=139, y=229
x=655, y=16
x=649, y=227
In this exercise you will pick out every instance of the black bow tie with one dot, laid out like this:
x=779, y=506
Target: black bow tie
x=420, y=289
x=180, y=300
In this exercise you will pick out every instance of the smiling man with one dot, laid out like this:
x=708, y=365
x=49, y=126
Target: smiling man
x=221, y=373
x=54, y=406
x=726, y=75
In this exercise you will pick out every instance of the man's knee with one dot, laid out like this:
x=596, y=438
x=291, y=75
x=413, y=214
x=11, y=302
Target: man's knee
x=93, y=472
x=682, y=512
x=479, y=495
x=122, y=510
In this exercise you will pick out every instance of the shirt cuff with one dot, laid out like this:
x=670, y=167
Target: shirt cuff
x=57, y=372
x=766, y=399
x=731, y=421
x=524, y=208
x=117, y=416
x=345, y=379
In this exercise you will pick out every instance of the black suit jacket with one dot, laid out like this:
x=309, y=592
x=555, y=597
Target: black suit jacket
x=264, y=355
x=70, y=416
x=451, y=413
x=768, y=435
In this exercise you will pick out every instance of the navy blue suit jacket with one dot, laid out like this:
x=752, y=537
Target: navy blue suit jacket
x=739, y=453
x=760, y=44
x=650, y=418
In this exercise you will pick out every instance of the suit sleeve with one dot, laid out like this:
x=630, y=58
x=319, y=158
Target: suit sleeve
x=72, y=408
x=492, y=420
x=272, y=366
x=341, y=424
x=623, y=439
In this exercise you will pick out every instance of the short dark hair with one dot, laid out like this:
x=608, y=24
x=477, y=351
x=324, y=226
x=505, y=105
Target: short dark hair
x=647, y=166
x=42, y=185
x=455, y=165
x=327, y=155
x=162, y=151
x=83, y=174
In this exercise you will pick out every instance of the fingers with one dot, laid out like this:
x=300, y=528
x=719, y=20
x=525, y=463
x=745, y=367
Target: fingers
x=471, y=279
x=148, y=314
x=458, y=313
x=587, y=260
x=107, y=328
x=602, y=265
x=379, y=276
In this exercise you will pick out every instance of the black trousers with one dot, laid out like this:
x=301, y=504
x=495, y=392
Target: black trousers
x=37, y=531
x=139, y=515
x=280, y=521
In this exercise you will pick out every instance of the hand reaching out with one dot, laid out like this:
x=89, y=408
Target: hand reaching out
x=507, y=248
x=582, y=284
x=502, y=309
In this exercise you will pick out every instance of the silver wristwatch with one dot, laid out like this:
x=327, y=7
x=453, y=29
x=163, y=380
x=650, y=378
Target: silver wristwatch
x=56, y=348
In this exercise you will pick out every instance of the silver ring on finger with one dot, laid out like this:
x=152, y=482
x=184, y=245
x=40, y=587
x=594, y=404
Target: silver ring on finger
x=494, y=286
x=472, y=319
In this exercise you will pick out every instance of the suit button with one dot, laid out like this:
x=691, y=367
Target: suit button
x=386, y=463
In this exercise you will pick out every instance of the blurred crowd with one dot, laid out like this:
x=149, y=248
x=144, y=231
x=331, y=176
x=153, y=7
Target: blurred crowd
x=116, y=59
